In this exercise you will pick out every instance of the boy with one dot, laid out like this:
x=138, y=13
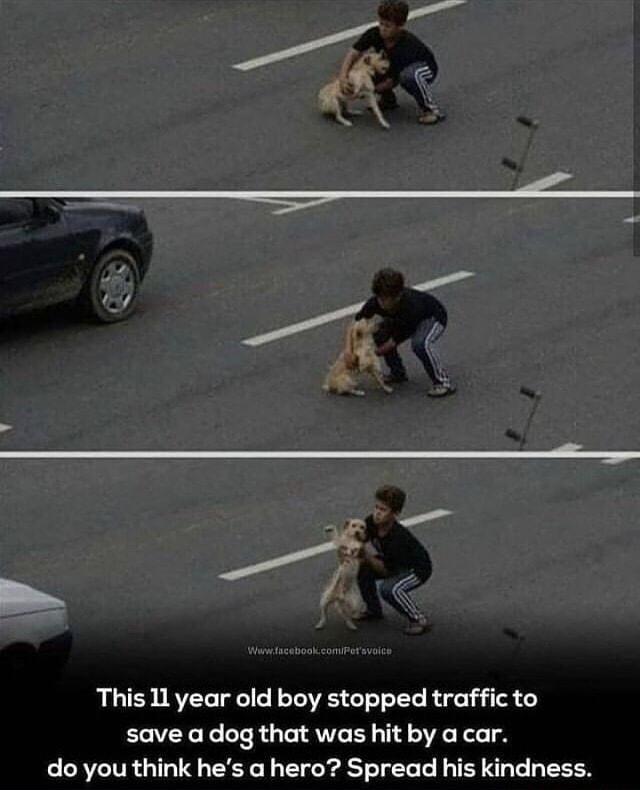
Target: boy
x=413, y=64
x=398, y=558
x=408, y=313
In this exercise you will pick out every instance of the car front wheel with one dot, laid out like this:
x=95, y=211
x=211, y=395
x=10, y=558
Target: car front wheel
x=111, y=292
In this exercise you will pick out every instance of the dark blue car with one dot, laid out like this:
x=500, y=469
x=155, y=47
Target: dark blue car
x=91, y=252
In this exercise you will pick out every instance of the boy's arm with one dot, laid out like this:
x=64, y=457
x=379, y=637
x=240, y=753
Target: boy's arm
x=348, y=347
x=366, y=311
x=349, y=59
x=373, y=560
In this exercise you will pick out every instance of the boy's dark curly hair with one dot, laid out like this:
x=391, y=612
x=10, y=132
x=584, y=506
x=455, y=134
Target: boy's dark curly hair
x=392, y=497
x=396, y=11
x=387, y=282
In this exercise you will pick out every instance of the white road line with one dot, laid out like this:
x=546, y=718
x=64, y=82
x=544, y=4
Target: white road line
x=4, y=428
x=314, y=455
x=504, y=194
x=633, y=220
x=619, y=459
x=545, y=183
x=432, y=515
x=320, y=548
x=335, y=38
x=303, y=206
x=567, y=448
x=326, y=318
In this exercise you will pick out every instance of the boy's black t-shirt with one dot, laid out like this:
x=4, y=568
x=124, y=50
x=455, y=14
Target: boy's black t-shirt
x=408, y=49
x=400, y=550
x=414, y=307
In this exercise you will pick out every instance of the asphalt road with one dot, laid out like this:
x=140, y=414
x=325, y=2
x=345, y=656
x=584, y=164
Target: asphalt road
x=136, y=548
x=552, y=304
x=142, y=94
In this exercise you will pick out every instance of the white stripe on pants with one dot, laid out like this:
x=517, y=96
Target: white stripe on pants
x=399, y=592
x=424, y=77
x=434, y=333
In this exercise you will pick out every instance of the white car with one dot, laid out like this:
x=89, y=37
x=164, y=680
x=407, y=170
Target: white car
x=35, y=638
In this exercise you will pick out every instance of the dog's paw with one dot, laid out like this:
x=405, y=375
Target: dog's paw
x=351, y=625
x=388, y=390
x=319, y=626
x=385, y=125
x=358, y=393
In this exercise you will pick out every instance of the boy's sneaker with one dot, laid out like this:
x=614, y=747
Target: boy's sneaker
x=441, y=390
x=418, y=627
x=429, y=117
x=395, y=378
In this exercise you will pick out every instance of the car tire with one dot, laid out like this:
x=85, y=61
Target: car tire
x=18, y=668
x=111, y=291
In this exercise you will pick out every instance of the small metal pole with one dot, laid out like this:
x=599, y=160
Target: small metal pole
x=519, y=639
x=521, y=438
x=518, y=167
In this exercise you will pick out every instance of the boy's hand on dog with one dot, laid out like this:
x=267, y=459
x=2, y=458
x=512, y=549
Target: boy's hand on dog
x=346, y=87
x=385, y=348
x=384, y=86
x=370, y=550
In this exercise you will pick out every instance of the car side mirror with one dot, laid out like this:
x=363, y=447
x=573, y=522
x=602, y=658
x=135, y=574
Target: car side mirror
x=49, y=213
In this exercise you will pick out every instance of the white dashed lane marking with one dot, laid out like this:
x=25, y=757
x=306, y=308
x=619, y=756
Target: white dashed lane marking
x=335, y=38
x=343, y=312
x=320, y=548
x=303, y=206
x=546, y=183
x=289, y=205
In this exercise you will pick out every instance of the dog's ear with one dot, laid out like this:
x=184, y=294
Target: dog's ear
x=346, y=525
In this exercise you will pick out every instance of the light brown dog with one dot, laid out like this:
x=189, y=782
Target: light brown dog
x=333, y=100
x=340, y=379
x=342, y=591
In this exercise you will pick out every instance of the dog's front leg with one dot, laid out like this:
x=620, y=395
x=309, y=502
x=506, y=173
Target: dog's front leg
x=377, y=375
x=375, y=109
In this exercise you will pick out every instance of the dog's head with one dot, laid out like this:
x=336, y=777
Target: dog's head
x=355, y=529
x=363, y=329
x=376, y=62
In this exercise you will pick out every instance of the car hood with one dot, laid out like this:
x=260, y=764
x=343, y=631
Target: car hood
x=17, y=598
